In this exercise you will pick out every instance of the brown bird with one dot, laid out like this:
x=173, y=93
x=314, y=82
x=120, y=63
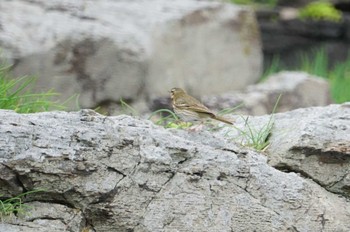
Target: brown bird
x=190, y=109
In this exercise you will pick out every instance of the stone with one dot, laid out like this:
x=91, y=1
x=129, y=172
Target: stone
x=126, y=174
x=314, y=142
x=42, y=217
x=107, y=50
x=297, y=90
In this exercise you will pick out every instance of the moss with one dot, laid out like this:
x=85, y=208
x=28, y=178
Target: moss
x=320, y=11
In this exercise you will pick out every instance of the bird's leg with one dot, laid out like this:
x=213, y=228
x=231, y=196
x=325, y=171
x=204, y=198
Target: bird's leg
x=198, y=127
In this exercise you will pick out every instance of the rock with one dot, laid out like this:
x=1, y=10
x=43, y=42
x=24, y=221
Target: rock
x=43, y=217
x=297, y=89
x=107, y=50
x=314, y=142
x=126, y=174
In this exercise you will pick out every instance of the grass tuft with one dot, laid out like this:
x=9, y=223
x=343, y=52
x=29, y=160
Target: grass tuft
x=16, y=94
x=257, y=138
x=15, y=205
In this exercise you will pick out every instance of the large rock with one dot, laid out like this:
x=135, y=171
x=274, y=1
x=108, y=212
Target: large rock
x=125, y=174
x=314, y=142
x=107, y=50
x=297, y=90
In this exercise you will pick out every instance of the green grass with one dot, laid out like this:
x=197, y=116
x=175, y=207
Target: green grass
x=168, y=119
x=318, y=64
x=270, y=3
x=14, y=205
x=16, y=94
x=257, y=137
x=275, y=67
x=127, y=109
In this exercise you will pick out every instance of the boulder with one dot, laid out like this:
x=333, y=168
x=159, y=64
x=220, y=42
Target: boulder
x=43, y=217
x=297, y=90
x=314, y=142
x=107, y=50
x=125, y=174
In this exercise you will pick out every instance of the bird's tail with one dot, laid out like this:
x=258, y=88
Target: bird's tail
x=222, y=119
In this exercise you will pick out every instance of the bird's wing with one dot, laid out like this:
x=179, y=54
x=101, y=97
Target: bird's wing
x=193, y=104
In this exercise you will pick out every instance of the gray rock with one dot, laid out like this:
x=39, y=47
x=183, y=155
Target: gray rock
x=127, y=174
x=43, y=217
x=107, y=50
x=297, y=89
x=314, y=142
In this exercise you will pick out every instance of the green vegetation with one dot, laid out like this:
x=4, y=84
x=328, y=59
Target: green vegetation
x=271, y=3
x=274, y=67
x=127, y=109
x=168, y=119
x=16, y=94
x=320, y=10
x=257, y=137
x=338, y=75
x=14, y=205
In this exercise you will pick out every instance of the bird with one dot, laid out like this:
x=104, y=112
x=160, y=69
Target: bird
x=189, y=109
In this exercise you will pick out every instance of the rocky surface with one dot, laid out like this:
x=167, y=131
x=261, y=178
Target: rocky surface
x=314, y=142
x=318, y=146
x=107, y=50
x=126, y=174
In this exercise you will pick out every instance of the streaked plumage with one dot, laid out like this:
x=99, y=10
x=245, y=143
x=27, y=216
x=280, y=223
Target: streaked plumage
x=190, y=109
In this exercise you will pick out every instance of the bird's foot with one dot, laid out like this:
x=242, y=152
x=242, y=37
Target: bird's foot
x=196, y=128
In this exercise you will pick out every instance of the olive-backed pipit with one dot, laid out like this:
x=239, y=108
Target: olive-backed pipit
x=190, y=109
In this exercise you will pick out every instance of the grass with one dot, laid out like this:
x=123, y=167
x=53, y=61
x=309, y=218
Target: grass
x=168, y=119
x=127, y=109
x=14, y=205
x=318, y=64
x=16, y=94
x=274, y=67
x=270, y=3
x=257, y=138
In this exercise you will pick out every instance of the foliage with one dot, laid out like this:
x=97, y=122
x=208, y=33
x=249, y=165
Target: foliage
x=339, y=78
x=274, y=67
x=271, y=3
x=127, y=109
x=318, y=64
x=320, y=11
x=170, y=120
x=15, y=94
x=257, y=138
x=14, y=205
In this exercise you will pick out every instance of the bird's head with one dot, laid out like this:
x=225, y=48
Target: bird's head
x=176, y=92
